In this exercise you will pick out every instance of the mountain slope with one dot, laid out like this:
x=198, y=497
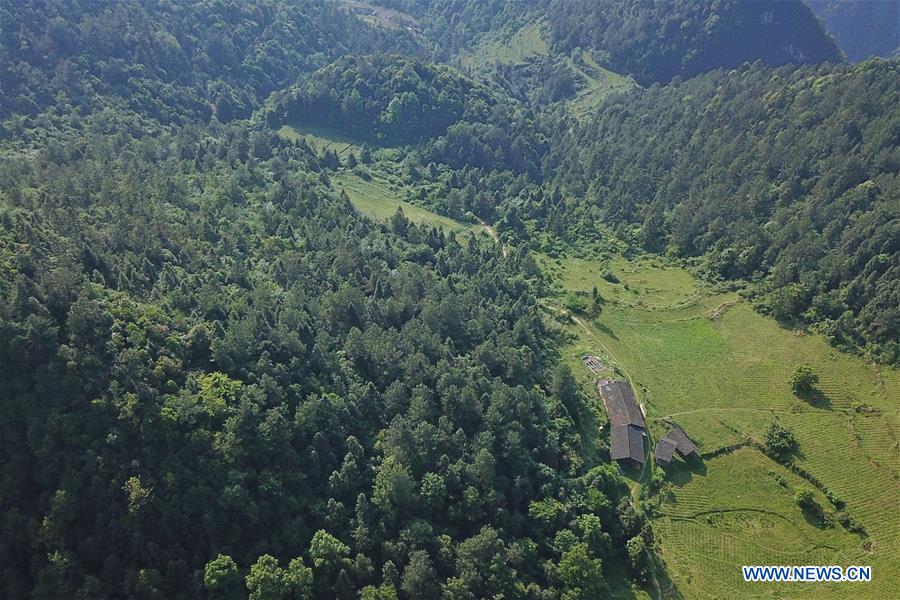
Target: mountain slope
x=655, y=41
x=173, y=61
x=790, y=176
x=862, y=28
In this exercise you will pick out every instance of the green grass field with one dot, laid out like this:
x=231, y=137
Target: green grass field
x=519, y=47
x=720, y=370
x=321, y=138
x=379, y=199
x=378, y=196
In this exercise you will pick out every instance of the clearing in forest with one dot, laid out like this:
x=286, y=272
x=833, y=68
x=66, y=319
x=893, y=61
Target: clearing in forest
x=593, y=83
x=321, y=138
x=380, y=199
x=708, y=361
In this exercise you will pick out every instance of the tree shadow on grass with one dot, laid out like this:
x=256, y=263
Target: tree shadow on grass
x=817, y=518
x=697, y=465
x=631, y=473
x=681, y=472
x=667, y=588
x=816, y=398
x=605, y=329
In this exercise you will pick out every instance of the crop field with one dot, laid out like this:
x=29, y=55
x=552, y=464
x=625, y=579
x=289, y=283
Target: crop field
x=709, y=362
x=380, y=199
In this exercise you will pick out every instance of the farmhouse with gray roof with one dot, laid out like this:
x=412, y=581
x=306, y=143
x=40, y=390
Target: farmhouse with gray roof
x=626, y=445
x=622, y=408
x=626, y=421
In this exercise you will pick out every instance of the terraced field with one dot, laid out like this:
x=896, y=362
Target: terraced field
x=734, y=512
x=719, y=369
x=521, y=46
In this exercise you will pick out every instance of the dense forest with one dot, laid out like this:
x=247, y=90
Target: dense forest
x=217, y=379
x=655, y=41
x=204, y=352
x=384, y=98
x=389, y=99
x=173, y=61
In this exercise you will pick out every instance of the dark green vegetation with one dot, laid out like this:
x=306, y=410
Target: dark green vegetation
x=656, y=41
x=803, y=379
x=392, y=99
x=384, y=98
x=205, y=352
x=862, y=28
x=220, y=377
x=173, y=62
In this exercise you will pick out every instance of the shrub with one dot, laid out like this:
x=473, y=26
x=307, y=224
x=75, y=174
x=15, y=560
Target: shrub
x=779, y=441
x=807, y=502
x=609, y=276
x=803, y=379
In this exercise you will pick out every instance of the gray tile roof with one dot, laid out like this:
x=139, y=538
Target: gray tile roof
x=665, y=450
x=682, y=442
x=627, y=441
x=622, y=408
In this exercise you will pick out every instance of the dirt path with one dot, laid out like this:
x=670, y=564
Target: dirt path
x=493, y=233
x=634, y=490
x=580, y=322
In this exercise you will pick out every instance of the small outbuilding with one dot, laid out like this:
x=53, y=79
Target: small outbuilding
x=683, y=443
x=664, y=452
x=675, y=441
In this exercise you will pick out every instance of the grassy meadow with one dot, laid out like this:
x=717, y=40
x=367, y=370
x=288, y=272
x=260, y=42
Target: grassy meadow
x=712, y=364
x=380, y=199
x=321, y=138
x=518, y=48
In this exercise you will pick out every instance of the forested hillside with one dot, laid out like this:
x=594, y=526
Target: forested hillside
x=173, y=61
x=787, y=177
x=862, y=28
x=205, y=353
x=655, y=41
x=652, y=41
x=392, y=100
x=383, y=98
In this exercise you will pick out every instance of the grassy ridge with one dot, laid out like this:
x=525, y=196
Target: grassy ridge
x=720, y=370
